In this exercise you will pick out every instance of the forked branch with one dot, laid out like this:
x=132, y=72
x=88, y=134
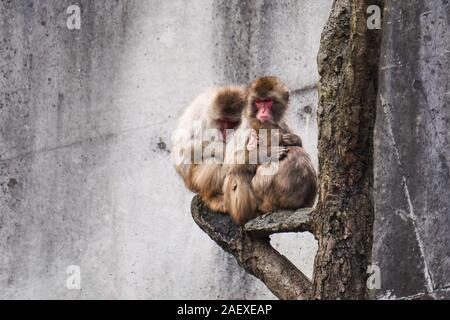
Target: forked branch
x=348, y=65
x=254, y=252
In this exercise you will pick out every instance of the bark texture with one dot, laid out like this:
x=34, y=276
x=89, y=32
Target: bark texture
x=254, y=253
x=348, y=66
x=343, y=219
x=281, y=222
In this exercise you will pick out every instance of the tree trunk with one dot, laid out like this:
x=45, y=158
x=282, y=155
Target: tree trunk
x=348, y=66
x=343, y=220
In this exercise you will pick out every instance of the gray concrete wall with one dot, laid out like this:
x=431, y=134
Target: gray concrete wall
x=412, y=175
x=85, y=121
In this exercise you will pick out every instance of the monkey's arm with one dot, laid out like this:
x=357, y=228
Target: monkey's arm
x=288, y=138
x=268, y=152
x=291, y=139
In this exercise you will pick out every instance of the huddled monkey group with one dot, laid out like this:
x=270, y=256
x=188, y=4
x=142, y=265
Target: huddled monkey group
x=234, y=148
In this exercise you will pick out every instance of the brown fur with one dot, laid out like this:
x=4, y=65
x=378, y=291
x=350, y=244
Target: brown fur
x=293, y=186
x=240, y=201
x=295, y=183
x=204, y=178
x=229, y=102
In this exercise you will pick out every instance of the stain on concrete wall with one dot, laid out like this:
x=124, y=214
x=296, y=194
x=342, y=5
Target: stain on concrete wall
x=412, y=176
x=85, y=121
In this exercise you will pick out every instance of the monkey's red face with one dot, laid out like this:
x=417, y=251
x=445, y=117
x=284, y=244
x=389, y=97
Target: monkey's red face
x=225, y=123
x=264, y=109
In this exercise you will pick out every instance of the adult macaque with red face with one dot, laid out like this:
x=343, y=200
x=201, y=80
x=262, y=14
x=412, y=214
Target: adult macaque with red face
x=253, y=189
x=200, y=138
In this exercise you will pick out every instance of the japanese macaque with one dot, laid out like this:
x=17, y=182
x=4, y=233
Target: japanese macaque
x=198, y=144
x=254, y=189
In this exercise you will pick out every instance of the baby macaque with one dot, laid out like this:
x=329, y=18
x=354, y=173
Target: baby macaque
x=200, y=139
x=253, y=189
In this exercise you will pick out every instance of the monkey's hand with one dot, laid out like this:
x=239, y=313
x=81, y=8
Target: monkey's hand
x=253, y=141
x=291, y=139
x=282, y=152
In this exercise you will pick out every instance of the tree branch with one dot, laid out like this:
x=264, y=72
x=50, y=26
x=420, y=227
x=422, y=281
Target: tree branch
x=342, y=220
x=281, y=221
x=254, y=253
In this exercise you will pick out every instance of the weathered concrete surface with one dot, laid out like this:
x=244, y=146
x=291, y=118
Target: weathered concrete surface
x=412, y=175
x=85, y=120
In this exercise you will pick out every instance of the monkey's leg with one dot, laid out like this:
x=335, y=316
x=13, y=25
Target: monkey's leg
x=215, y=203
x=240, y=200
x=208, y=179
x=295, y=183
x=186, y=172
x=264, y=190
